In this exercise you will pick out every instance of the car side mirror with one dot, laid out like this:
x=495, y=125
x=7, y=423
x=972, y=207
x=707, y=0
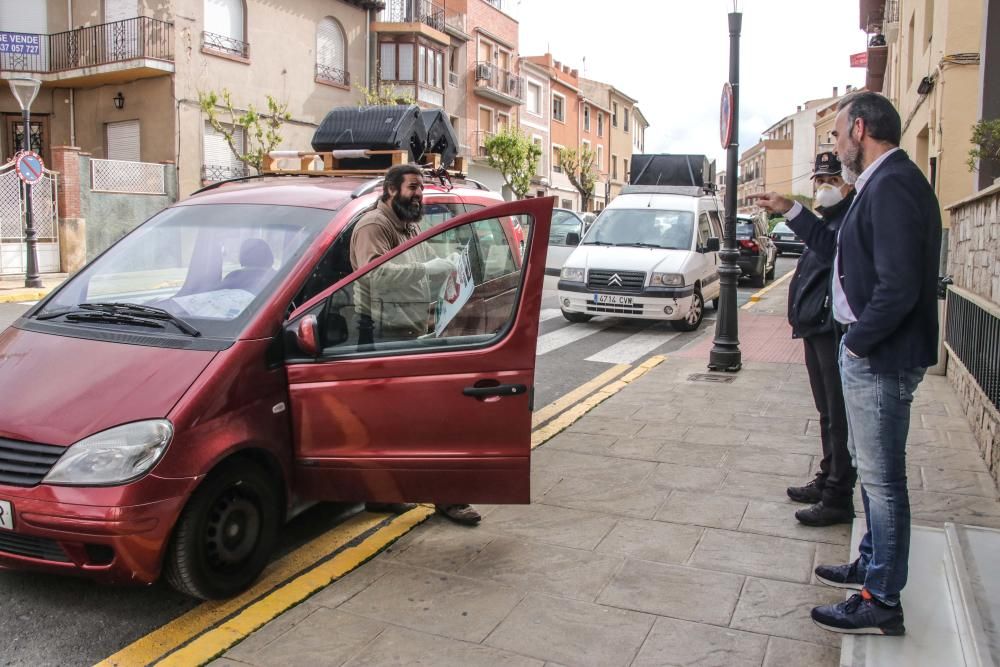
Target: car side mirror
x=307, y=336
x=573, y=238
x=711, y=245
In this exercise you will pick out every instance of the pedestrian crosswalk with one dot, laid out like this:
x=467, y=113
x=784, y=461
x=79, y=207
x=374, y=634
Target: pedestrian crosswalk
x=602, y=340
x=634, y=347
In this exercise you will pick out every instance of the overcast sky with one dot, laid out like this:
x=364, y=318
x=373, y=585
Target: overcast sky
x=673, y=56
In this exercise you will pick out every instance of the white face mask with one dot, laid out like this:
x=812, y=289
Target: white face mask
x=828, y=195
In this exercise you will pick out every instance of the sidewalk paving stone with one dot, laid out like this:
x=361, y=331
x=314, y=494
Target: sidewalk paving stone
x=676, y=591
x=787, y=652
x=324, y=637
x=598, y=469
x=687, y=478
x=703, y=509
x=781, y=608
x=674, y=643
x=584, y=443
x=656, y=541
x=569, y=573
x=712, y=435
x=778, y=519
x=759, y=485
x=552, y=525
x=756, y=555
x=942, y=457
x=941, y=480
x=445, y=546
x=572, y=633
x=640, y=501
x=617, y=427
x=770, y=461
x=399, y=647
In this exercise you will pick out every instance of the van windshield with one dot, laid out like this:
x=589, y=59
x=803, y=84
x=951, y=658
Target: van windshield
x=209, y=267
x=643, y=227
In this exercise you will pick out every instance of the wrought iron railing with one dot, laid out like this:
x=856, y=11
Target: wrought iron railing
x=224, y=44
x=508, y=83
x=223, y=172
x=144, y=178
x=891, y=11
x=102, y=44
x=972, y=333
x=414, y=11
x=328, y=74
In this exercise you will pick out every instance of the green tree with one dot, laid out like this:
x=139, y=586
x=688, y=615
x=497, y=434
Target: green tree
x=514, y=155
x=578, y=165
x=382, y=94
x=986, y=142
x=261, y=131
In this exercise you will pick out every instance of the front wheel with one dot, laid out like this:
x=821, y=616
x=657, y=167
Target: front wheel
x=577, y=318
x=693, y=319
x=226, y=533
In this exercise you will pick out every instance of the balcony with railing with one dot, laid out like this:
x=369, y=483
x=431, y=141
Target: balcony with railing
x=421, y=16
x=499, y=84
x=332, y=75
x=224, y=45
x=115, y=52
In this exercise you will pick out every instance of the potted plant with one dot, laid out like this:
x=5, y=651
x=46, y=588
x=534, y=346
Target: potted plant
x=985, y=143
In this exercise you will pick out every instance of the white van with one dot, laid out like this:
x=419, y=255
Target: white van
x=651, y=254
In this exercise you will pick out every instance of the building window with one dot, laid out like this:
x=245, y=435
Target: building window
x=625, y=125
x=586, y=118
x=123, y=140
x=331, y=53
x=556, y=162
x=614, y=114
x=219, y=162
x=585, y=146
x=534, y=98
x=625, y=168
x=387, y=61
x=567, y=203
x=558, y=107
x=600, y=157
x=406, y=61
x=225, y=28
x=614, y=166
x=600, y=124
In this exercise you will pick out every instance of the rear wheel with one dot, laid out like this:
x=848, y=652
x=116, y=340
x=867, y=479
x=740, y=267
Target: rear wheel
x=226, y=533
x=694, y=316
x=578, y=318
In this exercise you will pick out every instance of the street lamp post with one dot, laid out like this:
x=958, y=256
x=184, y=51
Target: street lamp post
x=24, y=90
x=725, y=354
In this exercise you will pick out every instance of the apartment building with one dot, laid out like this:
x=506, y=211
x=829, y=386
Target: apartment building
x=536, y=118
x=564, y=123
x=627, y=130
x=930, y=68
x=764, y=167
x=594, y=137
x=121, y=78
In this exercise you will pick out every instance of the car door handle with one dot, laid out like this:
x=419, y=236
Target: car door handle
x=496, y=390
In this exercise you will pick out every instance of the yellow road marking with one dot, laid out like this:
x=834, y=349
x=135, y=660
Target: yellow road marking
x=560, y=404
x=754, y=298
x=182, y=629
x=569, y=417
x=218, y=639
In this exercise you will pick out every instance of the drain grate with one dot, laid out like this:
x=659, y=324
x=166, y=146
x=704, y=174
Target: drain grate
x=711, y=377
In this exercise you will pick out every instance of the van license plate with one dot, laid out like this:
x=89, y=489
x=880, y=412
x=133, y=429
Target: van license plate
x=6, y=515
x=613, y=299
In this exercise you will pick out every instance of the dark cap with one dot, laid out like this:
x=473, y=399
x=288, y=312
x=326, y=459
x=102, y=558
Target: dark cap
x=827, y=164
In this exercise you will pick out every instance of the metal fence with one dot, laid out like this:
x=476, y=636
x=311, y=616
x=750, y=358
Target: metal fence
x=972, y=333
x=139, y=37
x=229, y=46
x=500, y=80
x=125, y=176
x=329, y=74
x=44, y=195
x=414, y=11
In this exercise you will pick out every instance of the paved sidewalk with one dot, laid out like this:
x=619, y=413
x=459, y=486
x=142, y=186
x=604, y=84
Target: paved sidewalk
x=659, y=534
x=12, y=289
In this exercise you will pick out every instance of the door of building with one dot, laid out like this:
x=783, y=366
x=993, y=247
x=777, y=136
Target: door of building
x=13, y=135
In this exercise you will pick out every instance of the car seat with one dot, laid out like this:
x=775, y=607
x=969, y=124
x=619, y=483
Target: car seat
x=257, y=267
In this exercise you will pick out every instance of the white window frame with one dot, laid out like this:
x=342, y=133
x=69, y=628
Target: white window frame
x=556, y=164
x=537, y=111
x=562, y=98
x=586, y=118
x=600, y=157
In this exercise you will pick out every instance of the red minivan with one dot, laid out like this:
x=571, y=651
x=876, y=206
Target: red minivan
x=167, y=406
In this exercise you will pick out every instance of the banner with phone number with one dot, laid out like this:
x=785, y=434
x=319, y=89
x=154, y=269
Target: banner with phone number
x=455, y=292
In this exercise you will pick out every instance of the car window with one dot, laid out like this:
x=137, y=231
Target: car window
x=717, y=231
x=458, y=287
x=436, y=213
x=646, y=227
x=744, y=230
x=564, y=223
x=704, y=229
x=212, y=265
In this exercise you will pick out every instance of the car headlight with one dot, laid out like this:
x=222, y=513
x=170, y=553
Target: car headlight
x=115, y=456
x=572, y=274
x=667, y=280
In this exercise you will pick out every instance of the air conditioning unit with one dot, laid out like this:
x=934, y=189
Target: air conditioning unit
x=512, y=86
x=482, y=72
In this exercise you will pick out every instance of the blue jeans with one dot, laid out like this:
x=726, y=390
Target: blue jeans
x=878, y=420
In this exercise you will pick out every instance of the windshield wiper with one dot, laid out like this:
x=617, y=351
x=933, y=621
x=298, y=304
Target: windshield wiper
x=111, y=318
x=148, y=312
x=597, y=243
x=642, y=245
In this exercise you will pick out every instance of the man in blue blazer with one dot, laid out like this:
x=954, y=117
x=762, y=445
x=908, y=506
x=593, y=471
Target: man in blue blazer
x=884, y=294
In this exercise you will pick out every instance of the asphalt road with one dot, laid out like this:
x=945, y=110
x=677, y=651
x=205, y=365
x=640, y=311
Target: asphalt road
x=50, y=620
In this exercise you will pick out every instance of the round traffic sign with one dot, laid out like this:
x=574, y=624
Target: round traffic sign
x=727, y=120
x=29, y=167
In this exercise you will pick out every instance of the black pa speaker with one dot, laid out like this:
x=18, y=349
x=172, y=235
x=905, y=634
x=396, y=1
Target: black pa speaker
x=379, y=128
x=441, y=137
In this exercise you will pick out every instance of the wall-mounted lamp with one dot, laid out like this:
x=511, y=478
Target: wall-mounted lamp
x=925, y=86
x=119, y=101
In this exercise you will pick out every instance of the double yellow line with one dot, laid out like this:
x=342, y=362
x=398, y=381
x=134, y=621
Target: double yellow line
x=211, y=628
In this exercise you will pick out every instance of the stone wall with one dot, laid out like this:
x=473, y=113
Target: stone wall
x=974, y=264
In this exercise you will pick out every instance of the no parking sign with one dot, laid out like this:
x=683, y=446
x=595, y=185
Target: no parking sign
x=29, y=167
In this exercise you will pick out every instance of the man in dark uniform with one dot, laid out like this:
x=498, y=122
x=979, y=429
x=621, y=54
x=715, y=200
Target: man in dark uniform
x=831, y=493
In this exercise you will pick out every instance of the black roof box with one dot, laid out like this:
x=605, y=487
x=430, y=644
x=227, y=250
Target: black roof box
x=666, y=169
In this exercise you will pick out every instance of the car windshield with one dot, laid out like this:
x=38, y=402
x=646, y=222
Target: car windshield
x=563, y=223
x=782, y=228
x=744, y=230
x=642, y=227
x=209, y=267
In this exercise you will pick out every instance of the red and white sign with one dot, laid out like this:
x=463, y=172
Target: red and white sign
x=859, y=59
x=727, y=113
x=29, y=167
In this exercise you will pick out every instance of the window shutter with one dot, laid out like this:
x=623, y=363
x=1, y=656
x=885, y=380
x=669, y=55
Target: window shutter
x=225, y=17
x=330, y=46
x=219, y=160
x=119, y=10
x=123, y=141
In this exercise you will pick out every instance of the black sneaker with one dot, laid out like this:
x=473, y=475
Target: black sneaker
x=810, y=494
x=861, y=614
x=842, y=576
x=825, y=515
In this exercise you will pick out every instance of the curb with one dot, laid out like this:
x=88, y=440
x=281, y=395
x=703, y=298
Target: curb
x=754, y=298
x=16, y=296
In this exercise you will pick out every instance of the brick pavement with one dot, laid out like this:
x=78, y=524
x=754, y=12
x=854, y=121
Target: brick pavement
x=659, y=534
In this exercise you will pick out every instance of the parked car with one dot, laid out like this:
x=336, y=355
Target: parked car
x=785, y=240
x=758, y=253
x=564, y=236
x=174, y=401
x=648, y=256
x=588, y=219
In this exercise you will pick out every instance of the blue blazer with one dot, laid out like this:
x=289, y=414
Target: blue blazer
x=890, y=248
